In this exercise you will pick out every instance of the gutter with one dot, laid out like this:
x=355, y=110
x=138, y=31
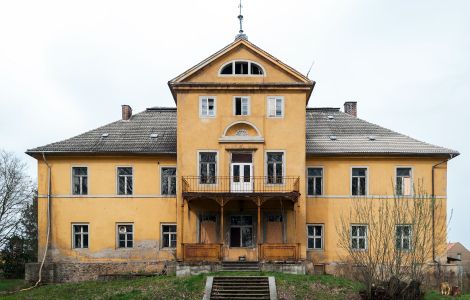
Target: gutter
x=433, y=197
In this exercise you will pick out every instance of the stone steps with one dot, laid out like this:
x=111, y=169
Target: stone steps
x=240, y=266
x=240, y=288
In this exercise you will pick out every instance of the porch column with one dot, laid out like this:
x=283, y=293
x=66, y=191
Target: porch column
x=222, y=222
x=259, y=221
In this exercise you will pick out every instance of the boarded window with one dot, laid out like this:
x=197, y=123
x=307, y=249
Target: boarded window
x=274, y=232
x=208, y=229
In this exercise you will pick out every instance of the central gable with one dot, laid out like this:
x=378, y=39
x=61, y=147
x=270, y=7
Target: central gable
x=209, y=70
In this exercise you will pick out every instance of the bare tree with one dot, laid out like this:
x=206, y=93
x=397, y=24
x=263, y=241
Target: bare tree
x=399, y=243
x=15, y=190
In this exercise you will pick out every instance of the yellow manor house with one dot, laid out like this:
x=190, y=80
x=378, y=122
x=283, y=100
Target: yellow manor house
x=241, y=170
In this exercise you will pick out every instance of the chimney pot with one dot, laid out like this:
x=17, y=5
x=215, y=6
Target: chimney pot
x=126, y=112
x=350, y=107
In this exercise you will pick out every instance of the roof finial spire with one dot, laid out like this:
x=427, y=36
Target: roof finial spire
x=240, y=34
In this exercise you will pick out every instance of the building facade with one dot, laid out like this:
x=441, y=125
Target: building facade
x=240, y=169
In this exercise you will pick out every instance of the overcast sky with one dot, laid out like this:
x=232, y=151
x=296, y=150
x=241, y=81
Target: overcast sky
x=67, y=66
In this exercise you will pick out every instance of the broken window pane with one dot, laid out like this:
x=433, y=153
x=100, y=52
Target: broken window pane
x=227, y=69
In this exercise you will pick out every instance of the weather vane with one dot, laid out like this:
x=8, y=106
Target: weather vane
x=240, y=34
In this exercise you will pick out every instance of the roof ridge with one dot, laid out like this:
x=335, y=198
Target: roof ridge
x=323, y=109
x=157, y=108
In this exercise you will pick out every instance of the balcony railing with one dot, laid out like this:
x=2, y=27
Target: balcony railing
x=240, y=184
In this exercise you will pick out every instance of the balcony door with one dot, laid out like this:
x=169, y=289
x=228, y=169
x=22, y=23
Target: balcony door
x=241, y=172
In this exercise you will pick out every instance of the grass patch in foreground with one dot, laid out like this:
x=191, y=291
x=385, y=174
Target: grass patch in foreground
x=435, y=295
x=8, y=285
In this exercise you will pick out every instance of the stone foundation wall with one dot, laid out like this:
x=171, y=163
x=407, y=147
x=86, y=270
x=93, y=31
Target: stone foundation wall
x=74, y=272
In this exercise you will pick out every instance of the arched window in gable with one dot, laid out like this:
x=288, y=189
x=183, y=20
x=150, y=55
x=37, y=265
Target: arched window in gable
x=241, y=67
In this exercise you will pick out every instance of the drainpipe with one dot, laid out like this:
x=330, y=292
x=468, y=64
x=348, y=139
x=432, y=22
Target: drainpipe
x=433, y=199
x=48, y=218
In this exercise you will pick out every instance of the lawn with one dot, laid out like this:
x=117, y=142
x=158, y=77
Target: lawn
x=289, y=287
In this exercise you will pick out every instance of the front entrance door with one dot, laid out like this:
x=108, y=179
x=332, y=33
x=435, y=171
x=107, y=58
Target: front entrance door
x=241, y=178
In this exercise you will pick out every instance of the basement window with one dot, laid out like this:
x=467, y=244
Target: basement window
x=80, y=236
x=125, y=235
x=241, y=67
x=168, y=236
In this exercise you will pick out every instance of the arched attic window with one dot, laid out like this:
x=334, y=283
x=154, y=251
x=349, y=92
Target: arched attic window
x=241, y=67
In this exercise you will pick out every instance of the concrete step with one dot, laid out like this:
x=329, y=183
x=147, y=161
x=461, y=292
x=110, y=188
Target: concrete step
x=240, y=287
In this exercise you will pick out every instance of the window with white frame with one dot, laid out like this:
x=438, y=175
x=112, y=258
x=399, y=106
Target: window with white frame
x=275, y=107
x=403, y=237
x=79, y=180
x=125, y=235
x=207, y=167
x=358, y=237
x=359, y=182
x=207, y=106
x=241, y=68
x=168, y=181
x=124, y=180
x=275, y=167
x=314, y=181
x=80, y=236
x=168, y=236
x=315, y=236
x=404, y=184
x=241, y=106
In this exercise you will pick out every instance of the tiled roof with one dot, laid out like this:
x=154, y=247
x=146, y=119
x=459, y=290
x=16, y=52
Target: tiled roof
x=132, y=136
x=329, y=132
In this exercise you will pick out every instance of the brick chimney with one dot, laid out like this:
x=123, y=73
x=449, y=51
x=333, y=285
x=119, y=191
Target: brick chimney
x=126, y=112
x=350, y=107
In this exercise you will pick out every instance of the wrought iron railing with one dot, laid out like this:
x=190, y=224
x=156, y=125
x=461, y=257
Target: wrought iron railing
x=240, y=184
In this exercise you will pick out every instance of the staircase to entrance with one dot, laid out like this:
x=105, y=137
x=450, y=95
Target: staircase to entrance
x=240, y=288
x=240, y=266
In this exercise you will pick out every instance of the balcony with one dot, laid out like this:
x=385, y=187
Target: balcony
x=240, y=186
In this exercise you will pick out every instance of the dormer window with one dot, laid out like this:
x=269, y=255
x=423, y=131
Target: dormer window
x=241, y=67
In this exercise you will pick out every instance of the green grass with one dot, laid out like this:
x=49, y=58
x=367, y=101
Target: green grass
x=289, y=287
x=434, y=295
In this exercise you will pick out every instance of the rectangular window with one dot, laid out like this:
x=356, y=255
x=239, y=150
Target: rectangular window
x=168, y=181
x=168, y=236
x=315, y=181
x=125, y=235
x=359, y=237
x=207, y=167
x=207, y=106
x=359, y=182
x=404, y=185
x=241, y=231
x=275, y=167
x=125, y=185
x=241, y=106
x=403, y=237
x=80, y=236
x=275, y=107
x=80, y=180
x=315, y=236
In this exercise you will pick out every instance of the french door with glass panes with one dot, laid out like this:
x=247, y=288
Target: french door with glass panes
x=241, y=179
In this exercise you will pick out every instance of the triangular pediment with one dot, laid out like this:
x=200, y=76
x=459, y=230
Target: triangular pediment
x=208, y=71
